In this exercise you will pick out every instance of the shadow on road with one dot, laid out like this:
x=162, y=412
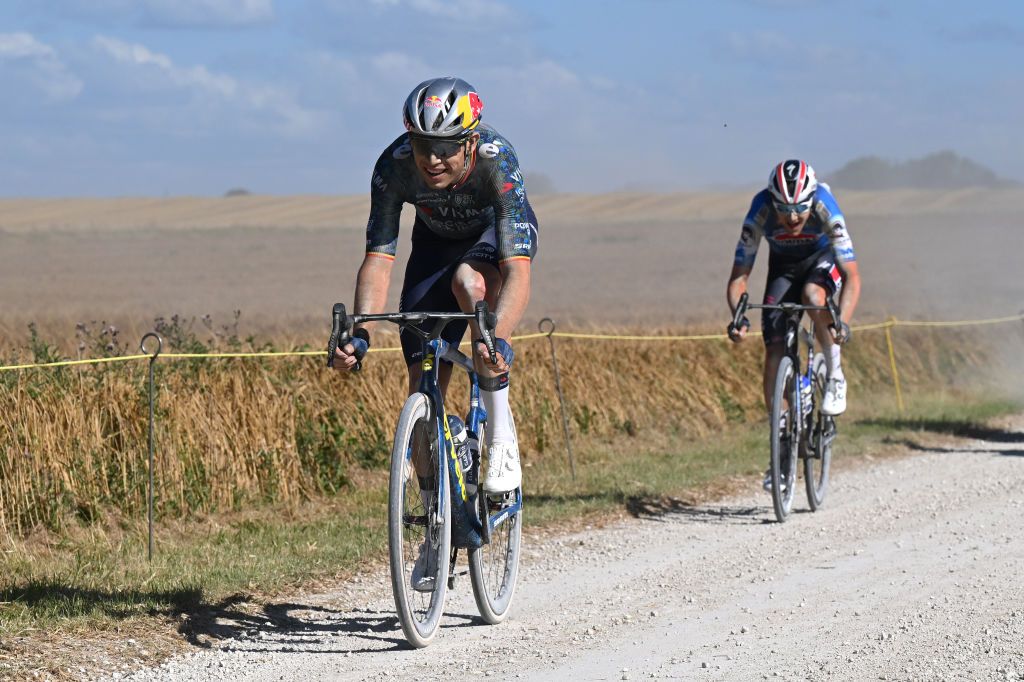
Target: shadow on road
x=919, y=447
x=300, y=628
x=667, y=507
x=962, y=429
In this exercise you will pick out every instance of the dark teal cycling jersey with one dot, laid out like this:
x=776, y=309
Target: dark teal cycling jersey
x=491, y=194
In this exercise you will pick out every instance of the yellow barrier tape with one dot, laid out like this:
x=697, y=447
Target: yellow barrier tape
x=961, y=323
x=623, y=337
x=887, y=325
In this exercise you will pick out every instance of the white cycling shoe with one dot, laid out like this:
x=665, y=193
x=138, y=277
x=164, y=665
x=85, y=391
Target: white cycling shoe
x=424, y=569
x=834, y=403
x=767, y=482
x=504, y=472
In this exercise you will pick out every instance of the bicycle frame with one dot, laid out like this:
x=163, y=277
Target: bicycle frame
x=435, y=350
x=793, y=312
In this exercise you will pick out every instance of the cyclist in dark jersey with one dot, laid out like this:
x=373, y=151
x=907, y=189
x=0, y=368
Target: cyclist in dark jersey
x=473, y=239
x=810, y=257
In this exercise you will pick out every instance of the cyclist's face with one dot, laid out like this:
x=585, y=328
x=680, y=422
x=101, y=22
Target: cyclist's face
x=791, y=219
x=442, y=163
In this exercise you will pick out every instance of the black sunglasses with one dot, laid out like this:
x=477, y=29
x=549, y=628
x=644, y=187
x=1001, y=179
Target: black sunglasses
x=442, y=149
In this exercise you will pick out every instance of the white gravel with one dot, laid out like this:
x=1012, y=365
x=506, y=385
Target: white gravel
x=911, y=571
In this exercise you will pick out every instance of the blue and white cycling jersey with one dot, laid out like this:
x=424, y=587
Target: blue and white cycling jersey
x=826, y=227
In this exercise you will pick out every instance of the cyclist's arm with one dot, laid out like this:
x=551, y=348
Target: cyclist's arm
x=850, y=293
x=746, y=254
x=372, y=284
x=514, y=295
x=846, y=259
x=516, y=231
x=737, y=285
x=386, y=199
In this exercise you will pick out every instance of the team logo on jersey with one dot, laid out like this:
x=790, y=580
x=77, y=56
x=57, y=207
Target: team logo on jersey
x=747, y=237
x=403, y=151
x=489, y=150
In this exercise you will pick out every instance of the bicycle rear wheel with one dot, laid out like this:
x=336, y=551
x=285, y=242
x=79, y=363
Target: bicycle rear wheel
x=412, y=524
x=818, y=450
x=494, y=567
x=783, y=441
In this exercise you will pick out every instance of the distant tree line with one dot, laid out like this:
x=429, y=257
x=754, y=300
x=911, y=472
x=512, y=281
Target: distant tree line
x=941, y=170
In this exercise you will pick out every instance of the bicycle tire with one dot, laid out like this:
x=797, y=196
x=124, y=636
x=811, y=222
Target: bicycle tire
x=419, y=613
x=818, y=455
x=783, y=445
x=494, y=567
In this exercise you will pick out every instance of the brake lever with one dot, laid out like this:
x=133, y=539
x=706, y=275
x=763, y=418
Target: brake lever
x=340, y=325
x=486, y=322
x=741, y=309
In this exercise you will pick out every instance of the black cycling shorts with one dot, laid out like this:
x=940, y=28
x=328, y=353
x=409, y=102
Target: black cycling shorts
x=786, y=281
x=428, y=278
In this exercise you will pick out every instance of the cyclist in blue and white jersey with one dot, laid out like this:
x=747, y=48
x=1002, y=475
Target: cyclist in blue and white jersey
x=810, y=256
x=474, y=238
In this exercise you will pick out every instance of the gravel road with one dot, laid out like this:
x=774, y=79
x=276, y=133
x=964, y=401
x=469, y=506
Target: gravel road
x=911, y=571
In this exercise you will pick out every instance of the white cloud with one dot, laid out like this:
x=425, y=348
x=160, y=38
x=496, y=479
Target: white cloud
x=784, y=52
x=162, y=13
x=286, y=114
x=210, y=12
x=39, y=63
x=468, y=10
x=459, y=10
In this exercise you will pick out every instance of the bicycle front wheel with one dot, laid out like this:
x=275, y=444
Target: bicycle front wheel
x=419, y=524
x=494, y=567
x=783, y=440
x=818, y=455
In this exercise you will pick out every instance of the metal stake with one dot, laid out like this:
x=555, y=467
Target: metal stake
x=149, y=494
x=558, y=387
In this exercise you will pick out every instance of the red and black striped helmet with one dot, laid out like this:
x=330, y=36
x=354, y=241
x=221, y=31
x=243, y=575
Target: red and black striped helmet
x=792, y=182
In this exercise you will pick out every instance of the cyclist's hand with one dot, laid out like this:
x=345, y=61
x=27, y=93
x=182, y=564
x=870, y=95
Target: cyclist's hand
x=843, y=334
x=738, y=333
x=503, y=352
x=345, y=358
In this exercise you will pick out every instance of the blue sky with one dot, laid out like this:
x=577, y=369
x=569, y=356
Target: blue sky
x=172, y=97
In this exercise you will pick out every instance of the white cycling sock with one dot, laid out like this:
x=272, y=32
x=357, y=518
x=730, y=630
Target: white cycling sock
x=832, y=362
x=499, y=416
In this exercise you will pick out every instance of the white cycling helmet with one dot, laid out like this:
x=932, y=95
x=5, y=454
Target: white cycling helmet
x=792, y=182
x=442, y=108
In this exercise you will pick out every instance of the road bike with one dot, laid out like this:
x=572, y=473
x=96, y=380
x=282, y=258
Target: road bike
x=453, y=512
x=799, y=430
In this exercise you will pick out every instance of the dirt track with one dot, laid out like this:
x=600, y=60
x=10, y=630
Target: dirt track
x=911, y=571
x=605, y=260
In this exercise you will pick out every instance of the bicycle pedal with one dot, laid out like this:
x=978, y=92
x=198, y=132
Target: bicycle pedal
x=502, y=499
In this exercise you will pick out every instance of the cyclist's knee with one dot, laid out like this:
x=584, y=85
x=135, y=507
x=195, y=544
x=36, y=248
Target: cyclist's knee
x=415, y=372
x=471, y=284
x=814, y=294
x=774, y=351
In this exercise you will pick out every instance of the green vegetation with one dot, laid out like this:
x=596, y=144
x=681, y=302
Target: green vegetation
x=272, y=474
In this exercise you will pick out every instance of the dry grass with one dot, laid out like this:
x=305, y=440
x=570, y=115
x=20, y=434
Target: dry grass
x=232, y=433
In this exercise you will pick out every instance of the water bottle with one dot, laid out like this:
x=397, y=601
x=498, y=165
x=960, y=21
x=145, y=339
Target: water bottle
x=461, y=441
x=805, y=394
x=473, y=473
